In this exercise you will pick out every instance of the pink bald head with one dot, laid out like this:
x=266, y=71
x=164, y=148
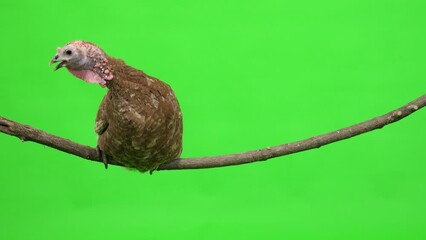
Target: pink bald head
x=84, y=60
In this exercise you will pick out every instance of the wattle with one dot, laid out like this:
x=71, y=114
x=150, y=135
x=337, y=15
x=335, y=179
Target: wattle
x=88, y=76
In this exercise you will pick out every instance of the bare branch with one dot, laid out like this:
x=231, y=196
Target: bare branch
x=27, y=133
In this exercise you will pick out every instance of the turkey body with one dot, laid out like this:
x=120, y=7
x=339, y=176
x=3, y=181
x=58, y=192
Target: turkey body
x=139, y=121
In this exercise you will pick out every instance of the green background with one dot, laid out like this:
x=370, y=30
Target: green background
x=248, y=74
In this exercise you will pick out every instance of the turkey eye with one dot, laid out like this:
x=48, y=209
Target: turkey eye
x=68, y=52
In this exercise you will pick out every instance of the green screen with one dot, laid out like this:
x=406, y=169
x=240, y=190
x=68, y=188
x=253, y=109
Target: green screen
x=248, y=74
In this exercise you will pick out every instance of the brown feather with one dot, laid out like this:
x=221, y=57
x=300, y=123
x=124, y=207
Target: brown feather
x=139, y=121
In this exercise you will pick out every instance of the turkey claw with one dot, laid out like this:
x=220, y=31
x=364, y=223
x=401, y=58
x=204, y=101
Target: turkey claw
x=102, y=157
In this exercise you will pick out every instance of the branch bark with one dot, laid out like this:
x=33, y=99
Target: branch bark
x=27, y=133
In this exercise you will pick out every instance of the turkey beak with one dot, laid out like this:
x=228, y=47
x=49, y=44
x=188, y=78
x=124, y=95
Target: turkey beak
x=57, y=59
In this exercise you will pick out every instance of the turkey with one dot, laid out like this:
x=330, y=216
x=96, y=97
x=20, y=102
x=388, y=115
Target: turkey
x=139, y=121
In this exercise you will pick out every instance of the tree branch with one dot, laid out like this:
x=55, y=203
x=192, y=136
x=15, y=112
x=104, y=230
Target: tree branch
x=27, y=133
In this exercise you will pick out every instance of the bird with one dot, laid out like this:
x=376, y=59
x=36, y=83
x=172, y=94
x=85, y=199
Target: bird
x=139, y=121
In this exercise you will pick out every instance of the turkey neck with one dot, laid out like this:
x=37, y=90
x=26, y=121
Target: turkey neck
x=127, y=81
x=133, y=88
